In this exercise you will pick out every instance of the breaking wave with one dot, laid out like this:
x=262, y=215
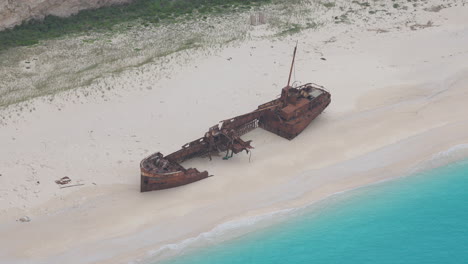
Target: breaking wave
x=222, y=232
x=453, y=154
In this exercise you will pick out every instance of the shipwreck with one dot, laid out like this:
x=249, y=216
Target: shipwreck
x=286, y=116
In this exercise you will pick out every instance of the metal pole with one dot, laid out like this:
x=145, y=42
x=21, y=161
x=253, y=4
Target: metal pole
x=292, y=64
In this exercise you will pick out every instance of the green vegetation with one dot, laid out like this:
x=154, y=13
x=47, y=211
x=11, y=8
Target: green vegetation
x=364, y=4
x=328, y=4
x=293, y=29
x=296, y=28
x=343, y=18
x=144, y=12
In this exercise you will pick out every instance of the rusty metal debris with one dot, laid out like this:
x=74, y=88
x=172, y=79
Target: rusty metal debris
x=286, y=116
x=63, y=180
x=25, y=219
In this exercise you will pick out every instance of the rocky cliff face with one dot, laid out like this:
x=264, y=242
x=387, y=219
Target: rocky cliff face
x=13, y=12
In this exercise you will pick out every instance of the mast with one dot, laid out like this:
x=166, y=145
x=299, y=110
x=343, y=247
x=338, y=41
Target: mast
x=292, y=65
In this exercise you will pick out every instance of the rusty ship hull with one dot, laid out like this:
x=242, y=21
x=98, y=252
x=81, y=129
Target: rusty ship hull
x=291, y=128
x=163, y=180
x=286, y=117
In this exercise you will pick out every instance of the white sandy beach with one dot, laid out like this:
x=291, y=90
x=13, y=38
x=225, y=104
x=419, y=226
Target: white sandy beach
x=399, y=97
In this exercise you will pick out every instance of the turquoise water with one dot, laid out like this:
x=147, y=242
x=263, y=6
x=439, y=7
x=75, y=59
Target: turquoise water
x=417, y=219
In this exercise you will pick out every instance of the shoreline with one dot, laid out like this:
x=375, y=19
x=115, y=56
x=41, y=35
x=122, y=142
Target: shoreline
x=237, y=228
x=281, y=212
x=294, y=232
x=399, y=100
